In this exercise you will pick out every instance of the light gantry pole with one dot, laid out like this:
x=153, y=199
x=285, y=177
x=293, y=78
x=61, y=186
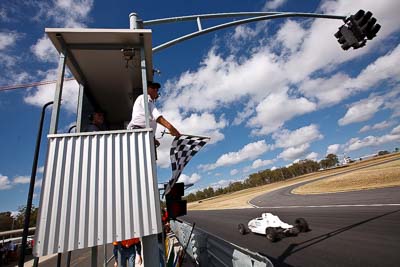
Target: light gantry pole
x=251, y=17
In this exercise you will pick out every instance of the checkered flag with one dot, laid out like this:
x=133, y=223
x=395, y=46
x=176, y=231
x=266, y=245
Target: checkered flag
x=183, y=148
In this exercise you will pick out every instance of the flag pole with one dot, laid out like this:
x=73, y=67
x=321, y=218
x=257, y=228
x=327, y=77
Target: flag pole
x=189, y=135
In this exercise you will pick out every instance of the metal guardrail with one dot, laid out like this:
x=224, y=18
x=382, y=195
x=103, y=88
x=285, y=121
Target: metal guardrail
x=208, y=250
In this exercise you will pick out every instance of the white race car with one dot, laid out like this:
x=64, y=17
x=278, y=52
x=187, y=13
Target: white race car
x=274, y=229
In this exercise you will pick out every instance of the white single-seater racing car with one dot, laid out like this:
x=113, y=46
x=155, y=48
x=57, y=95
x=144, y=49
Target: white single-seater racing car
x=274, y=229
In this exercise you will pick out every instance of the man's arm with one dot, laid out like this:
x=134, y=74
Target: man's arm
x=161, y=120
x=138, y=247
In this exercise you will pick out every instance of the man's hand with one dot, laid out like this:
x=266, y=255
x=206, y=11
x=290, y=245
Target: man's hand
x=174, y=132
x=156, y=143
x=115, y=264
x=140, y=261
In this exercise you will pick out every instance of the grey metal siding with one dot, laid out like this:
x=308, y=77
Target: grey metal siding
x=97, y=188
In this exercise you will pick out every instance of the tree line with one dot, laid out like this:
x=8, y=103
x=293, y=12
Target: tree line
x=267, y=177
x=10, y=222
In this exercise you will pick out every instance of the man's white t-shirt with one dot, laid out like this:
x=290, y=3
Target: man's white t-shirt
x=138, y=114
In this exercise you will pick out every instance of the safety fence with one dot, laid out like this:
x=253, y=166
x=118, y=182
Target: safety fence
x=208, y=250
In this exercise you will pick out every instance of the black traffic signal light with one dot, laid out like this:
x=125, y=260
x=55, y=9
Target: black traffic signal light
x=346, y=37
x=175, y=205
x=357, y=29
x=364, y=25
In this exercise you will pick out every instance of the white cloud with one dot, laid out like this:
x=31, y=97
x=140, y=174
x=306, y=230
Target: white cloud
x=377, y=126
x=291, y=35
x=293, y=153
x=9, y=59
x=244, y=32
x=7, y=39
x=38, y=183
x=327, y=91
x=44, y=50
x=221, y=183
x=380, y=69
x=312, y=156
x=3, y=14
x=4, y=182
x=271, y=116
x=194, y=178
x=263, y=78
x=392, y=100
x=40, y=169
x=365, y=128
x=356, y=143
x=386, y=12
x=249, y=151
x=396, y=130
x=285, y=138
x=66, y=13
x=223, y=81
x=361, y=111
x=234, y=172
x=258, y=163
x=8, y=62
x=332, y=90
x=45, y=93
x=273, y=4
x=333, y=149
x=319, y=51
x=204, y=124
x=370, y=141
x=22, y=180
x=244, y=114
x=224, y=183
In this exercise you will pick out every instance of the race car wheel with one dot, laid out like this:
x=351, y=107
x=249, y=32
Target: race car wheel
x=271, y=234
x=242, y=229
x=302, y=225
x=293, y=231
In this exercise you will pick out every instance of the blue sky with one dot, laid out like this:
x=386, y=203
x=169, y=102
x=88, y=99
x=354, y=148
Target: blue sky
x=268, y=93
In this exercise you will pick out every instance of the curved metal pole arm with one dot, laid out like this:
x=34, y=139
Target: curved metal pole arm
x=206, y=16
x=243, y=21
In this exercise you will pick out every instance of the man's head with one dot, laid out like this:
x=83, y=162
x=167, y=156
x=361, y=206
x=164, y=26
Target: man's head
x=152, y=89
x=97, y=118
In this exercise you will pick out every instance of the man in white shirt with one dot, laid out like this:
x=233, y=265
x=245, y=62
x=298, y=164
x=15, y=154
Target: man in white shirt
x=138, y=114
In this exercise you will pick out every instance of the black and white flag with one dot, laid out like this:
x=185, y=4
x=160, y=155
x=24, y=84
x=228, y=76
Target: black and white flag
x=183, y=148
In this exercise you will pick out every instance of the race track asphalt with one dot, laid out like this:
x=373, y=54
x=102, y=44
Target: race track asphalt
x=360, y=228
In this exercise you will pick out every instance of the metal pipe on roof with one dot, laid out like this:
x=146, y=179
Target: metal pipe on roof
x=133, y=21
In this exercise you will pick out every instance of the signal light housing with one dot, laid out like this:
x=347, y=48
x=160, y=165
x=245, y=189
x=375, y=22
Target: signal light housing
x=358, y=28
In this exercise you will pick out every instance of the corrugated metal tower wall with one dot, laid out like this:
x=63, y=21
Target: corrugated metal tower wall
x=97, y=188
